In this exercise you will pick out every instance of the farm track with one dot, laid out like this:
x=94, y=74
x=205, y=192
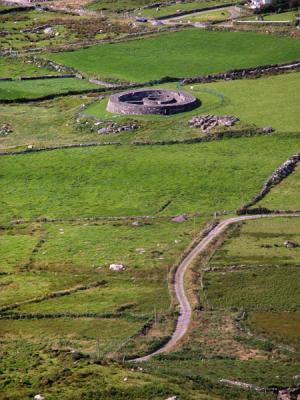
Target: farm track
x=185, y=309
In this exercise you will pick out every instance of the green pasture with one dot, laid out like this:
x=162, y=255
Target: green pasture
x=84, y=252
x=284, y=16
x=189, y=52
x=36, y=366
x=42, y=87
x=25, y=285
x=57, y=121
x=263, y=279
x=15, y=249
x=268, y=101
x=266, y=373
x=283, y=327
x=180, y=7
x=116, y=6
x=217, y=15
x=284, y=196
x=261, y=242
x=84, y=333
x=129, y=180
x=12, y=67
x=257, y=288
x=53, y=123
x=77, y=255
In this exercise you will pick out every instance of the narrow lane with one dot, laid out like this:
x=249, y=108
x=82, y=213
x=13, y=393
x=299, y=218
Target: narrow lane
x=185, y=310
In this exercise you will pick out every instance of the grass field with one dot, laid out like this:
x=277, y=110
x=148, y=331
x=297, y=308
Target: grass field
x=57, y=119
x=282, y=327
x=269, y=101
x=284, y=16
x=258, y=274
x=206, y=52
x=11, y=67
x=284, y=196
x=73, y=257
x=176, y=8
x=39, y=88
x=58, y=376
x=81, y=254
x=217, y=15
x=261, y=242
x=111, y=180
x=258, y=288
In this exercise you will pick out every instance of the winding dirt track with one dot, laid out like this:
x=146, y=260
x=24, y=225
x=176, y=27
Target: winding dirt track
x=185, y=310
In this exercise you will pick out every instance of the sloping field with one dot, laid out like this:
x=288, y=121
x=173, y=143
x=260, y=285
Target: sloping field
x=38, y=88
x=255, y=272
x=284, y=196
x=190, y=52
x=139, y=181
x=268, y=101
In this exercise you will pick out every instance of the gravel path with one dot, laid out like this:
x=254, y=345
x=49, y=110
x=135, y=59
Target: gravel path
x=185, y=309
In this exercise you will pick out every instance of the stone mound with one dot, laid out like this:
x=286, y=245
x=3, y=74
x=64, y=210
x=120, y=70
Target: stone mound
x=208, y=122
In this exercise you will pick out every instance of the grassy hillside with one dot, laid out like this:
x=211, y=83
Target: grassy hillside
x=256, y=273
x=185, y=53
x=30, y=90
x=284, y=196
x=139, y=181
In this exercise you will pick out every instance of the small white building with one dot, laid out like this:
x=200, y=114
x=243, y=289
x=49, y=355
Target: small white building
x=260, y=4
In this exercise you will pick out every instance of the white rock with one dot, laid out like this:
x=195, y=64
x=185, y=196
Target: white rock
x=39, y=397
x=48, y=31
x=116, y=267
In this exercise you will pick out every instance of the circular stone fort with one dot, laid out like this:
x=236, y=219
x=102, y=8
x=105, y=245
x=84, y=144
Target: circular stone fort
x=151, y=101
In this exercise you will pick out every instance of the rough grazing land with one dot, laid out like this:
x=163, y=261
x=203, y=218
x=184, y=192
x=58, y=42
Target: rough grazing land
x=201, y=52
x=254, y=271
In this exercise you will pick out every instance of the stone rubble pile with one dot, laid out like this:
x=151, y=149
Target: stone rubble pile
x=115, y=128
x=5, y=130
x=207, y=122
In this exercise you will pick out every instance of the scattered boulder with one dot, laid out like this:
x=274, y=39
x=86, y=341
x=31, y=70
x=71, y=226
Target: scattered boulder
x=48, y=31
x=290, y=245
x=268, y=129
x=117, y=267
x=5, y=130
x=172, y=398
x=114, y=128
x=135, y=223
x=39, y=397
x=289, y=394
x=207, y=122
x=77, y=355
x=180, y=218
